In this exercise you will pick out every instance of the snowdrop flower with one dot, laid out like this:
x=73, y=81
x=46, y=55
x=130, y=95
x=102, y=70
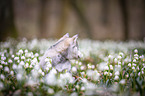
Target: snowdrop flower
x=82, y=67
x=77, y=86
x=1, y=66
x=50, y=91
x=19, y=76
x=93, y=66
x=16, y=58
x=36, y=54
x=13, y=56
x=119, y=57
x=2, y=76
x=1, y=85
x=21, y=51
x=135, y=51
x=138, y=73
x=142, y=72
x=133, y=67
x=110, y=74
x=12, y=72
x=117, y=73
x=18, y=53
x=106, y=68
x=14, y=66
x=82, y=88
x=134, y=60
x=22, y=63
x=119, y=63
x=6, y=69
x=26, y=65
x=122, y=81
x=42, y=73
x=84, y=80
x=26, y=51
x=116, y=77
x=23, y=57
x=51, y=79
x=74, y=69
x=105, y=73
x=121, y=54
x=115, y=60
x=111, y=67
x=80, y=63
x=129, y=64
x=10, y=61
x=53, y=71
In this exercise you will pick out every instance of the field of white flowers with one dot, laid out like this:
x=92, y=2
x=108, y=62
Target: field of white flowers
x=107, y=68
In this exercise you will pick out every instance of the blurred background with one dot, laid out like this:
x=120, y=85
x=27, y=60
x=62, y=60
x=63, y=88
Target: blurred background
x=93, y=19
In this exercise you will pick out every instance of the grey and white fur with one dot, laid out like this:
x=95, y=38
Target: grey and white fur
x=62, y=52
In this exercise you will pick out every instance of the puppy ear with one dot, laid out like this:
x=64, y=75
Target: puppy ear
x=75, y=37
x=62, y=38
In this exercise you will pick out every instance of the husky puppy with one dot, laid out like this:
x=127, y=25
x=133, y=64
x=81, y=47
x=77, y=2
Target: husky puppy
x=65, y=49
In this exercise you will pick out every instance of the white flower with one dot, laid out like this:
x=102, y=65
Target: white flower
x=23, y=57
x=26, y=51
x=129, y=64
x=138, y=73
x=1, y=66
x=82, y=67
x=22, y=63
x=111, y=67
x=16, y=58
x=1, y=85
x=12, y=72
x=93, y=66
x=106, y=68
x=50, y=91
x=122, y=81
x=21, y=51
x=110, y=74
x=19, y=76
x=116, y=77
x=36, y=54
x=2, y=76
x=13, y=56
x=142, y=72
x=53, y=71
x=10, y=61
x=133, y=67
x=14, y=66
x=105, y=73
x=26, y=65
x=134, y=60
x=119, y=57
x=29, y=94
x=51, y=79
x=127, y=75
x=82, y=88
x=135, y=51
x=80, y=63
x=74, y=69
x=84, y=80
x=6, y=69
x=42, y=73
x=117, y=73
x=115, y=60
x=77, y=86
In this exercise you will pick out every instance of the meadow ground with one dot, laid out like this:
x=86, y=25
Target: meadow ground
x=107, y=68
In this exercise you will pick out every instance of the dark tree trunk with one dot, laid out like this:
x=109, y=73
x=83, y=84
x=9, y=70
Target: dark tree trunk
x=124, y=11
x=7, y=26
